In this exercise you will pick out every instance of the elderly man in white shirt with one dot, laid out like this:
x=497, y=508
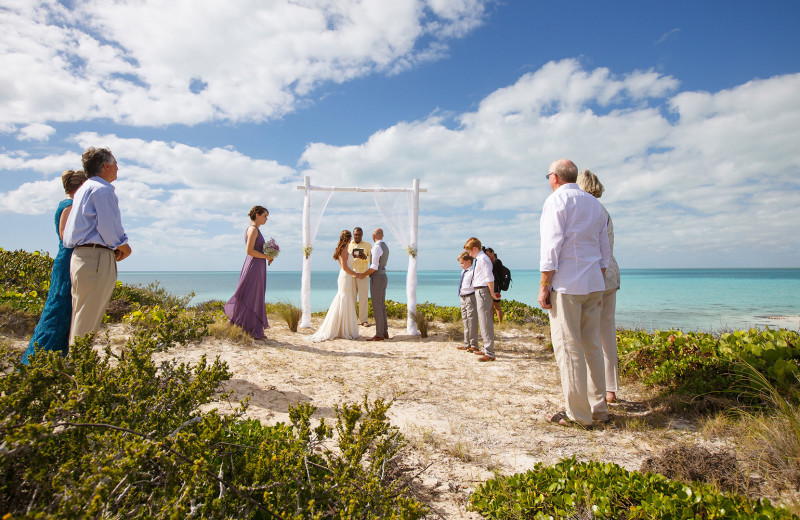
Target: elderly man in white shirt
x=575, y=252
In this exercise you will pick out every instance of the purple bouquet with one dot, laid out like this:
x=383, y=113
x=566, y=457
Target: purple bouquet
x=271, y=248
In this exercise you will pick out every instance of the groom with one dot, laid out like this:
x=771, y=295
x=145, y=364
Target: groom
x=377, y=285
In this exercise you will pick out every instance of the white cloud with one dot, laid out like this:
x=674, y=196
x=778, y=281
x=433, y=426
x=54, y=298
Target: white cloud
x=723, y=177
x=150, y=63
x=690, y=176
x=35, y=132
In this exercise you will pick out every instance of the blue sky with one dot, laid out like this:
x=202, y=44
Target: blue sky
x=689, y=112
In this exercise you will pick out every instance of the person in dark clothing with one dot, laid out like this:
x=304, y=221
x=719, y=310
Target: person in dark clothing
x=497, y=270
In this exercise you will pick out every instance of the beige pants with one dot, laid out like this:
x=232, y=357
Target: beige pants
x=575, y=331
x=93, y=273
x=608, y=338
x=361, y=293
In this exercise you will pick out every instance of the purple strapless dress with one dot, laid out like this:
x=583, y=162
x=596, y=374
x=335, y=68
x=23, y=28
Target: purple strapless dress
x=246, y=307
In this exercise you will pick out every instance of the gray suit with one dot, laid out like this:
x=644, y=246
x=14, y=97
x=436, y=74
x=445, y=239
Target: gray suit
x=377, y=290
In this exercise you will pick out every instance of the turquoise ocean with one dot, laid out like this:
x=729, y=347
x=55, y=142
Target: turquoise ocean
x=707, y=300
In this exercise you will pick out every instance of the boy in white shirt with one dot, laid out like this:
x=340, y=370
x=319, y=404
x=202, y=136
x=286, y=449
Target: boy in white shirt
x=466, y=292
x=483, y=282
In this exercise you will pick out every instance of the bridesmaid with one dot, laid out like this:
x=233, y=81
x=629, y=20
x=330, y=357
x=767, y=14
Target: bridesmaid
x=246, y=307
x=52, y=331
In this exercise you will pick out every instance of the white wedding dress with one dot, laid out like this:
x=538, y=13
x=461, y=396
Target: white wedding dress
x=341, y=320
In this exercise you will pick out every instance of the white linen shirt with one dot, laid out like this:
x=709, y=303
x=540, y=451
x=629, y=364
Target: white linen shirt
x=377, y=252
x=483, y=270
x=575, y=245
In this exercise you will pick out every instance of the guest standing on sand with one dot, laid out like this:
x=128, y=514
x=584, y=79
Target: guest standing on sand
x=52, y=331
x=574, y=255
x=497, y=272
x=588, y=182
x=377, y=285
x=246, y=307
x=469, y=310
x=483, y=283
x=94, y=231
x=360, y=251
x=341, y=320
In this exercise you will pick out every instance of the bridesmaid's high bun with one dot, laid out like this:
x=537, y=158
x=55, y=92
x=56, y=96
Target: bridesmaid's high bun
x=72, y=180
x=257, y=210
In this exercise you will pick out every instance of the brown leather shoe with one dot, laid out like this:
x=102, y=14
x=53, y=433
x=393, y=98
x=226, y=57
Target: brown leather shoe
x=486, y=358
x=462, y=348
x=376, y=338
x=478, y=352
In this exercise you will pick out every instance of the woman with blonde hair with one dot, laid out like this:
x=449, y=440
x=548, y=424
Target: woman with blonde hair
x=588, y=182
x=246, y=307
x=52, y=331
x=341, y=321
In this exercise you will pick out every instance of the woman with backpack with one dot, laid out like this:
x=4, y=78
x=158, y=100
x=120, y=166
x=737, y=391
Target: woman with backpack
x=501, y=274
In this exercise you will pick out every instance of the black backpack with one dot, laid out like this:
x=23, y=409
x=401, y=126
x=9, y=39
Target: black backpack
x=505, y=278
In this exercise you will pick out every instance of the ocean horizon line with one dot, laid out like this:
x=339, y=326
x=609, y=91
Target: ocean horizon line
x=148, y=271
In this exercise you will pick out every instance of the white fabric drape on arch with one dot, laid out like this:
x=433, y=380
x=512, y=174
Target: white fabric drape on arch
x=305, y=287
x=397, y=210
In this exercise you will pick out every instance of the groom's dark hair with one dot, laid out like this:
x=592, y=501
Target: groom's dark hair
x=358, y=229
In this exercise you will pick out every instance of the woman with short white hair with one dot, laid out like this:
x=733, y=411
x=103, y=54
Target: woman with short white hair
x=588, y=182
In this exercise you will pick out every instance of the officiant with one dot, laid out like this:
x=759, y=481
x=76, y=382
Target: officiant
x=362, y=256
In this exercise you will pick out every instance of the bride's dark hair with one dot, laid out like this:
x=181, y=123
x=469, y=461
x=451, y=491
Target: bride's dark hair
x=344, y=239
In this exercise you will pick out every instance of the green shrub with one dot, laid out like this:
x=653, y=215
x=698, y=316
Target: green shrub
x=115, y=434
x=421, y=320
x=700, y=363
x=572, y=489
x=290, y=314
x=522, y=313
x=148, y=295
x=24, y=279
x=170, y=326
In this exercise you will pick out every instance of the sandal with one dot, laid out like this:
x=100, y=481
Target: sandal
x=561, y=419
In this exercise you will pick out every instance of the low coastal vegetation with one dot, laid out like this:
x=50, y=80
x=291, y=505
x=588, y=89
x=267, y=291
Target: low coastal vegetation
x=109, y=432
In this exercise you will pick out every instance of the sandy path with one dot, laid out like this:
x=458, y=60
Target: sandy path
x=463, y=418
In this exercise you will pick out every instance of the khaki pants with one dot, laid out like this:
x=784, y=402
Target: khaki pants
x=608, y=338
x=361, y=293
x=575, y=331
x=93, y=273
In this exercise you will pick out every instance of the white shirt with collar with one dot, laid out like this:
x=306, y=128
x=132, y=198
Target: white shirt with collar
x=467, y=277
x=483, y=270
x=575, y=244
x=377, y=252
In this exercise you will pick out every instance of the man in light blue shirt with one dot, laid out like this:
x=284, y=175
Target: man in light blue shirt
x=94, y=229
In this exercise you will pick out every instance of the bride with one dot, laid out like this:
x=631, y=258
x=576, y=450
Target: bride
x=341, y=320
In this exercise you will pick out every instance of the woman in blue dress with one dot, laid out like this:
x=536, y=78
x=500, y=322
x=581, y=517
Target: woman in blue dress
x=52, y=331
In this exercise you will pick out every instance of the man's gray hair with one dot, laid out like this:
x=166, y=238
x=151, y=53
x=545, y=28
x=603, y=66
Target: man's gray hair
x=566, y=170
x=93, y=160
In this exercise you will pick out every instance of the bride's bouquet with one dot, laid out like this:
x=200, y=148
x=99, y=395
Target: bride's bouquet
x=271, y=248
